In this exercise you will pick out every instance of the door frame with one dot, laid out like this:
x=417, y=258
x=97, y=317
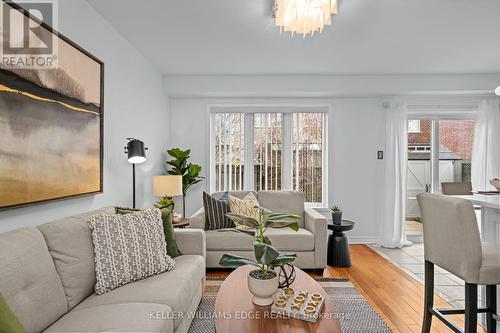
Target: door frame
x=435, y=114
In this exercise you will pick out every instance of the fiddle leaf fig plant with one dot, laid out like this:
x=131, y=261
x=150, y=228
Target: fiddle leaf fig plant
x=190, y=172
x=266, y=256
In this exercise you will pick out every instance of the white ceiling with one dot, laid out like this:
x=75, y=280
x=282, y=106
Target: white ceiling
x=367, y=37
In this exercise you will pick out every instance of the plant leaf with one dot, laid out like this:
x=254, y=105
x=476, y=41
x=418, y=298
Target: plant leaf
x=229, y=260
x=249, y=232
x=282, y=216
x=265, y=254
x=284, y=258
x=243, y=220
x=266, y=240
x=282, y=224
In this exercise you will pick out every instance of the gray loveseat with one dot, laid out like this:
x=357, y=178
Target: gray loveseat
x=309, y=242
x=47, y=277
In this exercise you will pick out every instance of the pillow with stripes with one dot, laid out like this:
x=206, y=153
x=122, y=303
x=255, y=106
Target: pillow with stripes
x=215, y=212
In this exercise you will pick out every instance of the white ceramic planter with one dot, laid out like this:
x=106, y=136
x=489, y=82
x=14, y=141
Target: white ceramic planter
x=263, y=290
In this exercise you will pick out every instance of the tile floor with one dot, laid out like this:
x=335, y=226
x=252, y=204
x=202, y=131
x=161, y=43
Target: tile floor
x=411, y=260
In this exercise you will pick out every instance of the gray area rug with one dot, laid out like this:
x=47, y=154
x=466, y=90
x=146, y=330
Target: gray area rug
x=354, y=312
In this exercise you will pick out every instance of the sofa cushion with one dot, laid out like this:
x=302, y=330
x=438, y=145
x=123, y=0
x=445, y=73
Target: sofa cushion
x=168, y=228
x=248, y=206
x=237, y=194
x=284, y=239
x=128, y=317
x=216, y=210
x=128, y=248
x=174, y=288
x=28, y=279
x=70, y=244
x=289, y=202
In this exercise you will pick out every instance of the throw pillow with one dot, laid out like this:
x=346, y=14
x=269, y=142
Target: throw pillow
x=246, y=207
x=168, y=228
x=128, y=248
x=8, y=320
x=215, y=212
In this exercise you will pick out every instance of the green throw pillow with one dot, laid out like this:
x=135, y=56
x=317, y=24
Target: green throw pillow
x=168, y=228
x=8, y=320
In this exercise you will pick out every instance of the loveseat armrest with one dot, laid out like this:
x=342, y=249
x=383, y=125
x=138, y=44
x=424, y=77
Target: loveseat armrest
x=191, y=241
x=197, y=221
x=316, y=223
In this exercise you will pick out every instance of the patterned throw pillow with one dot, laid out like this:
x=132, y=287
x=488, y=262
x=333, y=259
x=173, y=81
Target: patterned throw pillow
x=168, y=228
x=245, y=206
x=215, y=212
x=128, y=248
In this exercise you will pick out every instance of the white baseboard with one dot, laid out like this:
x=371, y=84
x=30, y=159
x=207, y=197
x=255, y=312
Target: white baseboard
x=362, y=240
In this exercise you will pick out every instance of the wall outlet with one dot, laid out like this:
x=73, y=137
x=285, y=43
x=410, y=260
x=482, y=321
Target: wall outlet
x=380, y=154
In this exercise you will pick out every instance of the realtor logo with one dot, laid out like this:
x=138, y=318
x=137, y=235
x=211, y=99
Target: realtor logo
x=25, y=42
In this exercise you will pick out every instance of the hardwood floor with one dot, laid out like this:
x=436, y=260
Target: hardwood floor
x=397, y=297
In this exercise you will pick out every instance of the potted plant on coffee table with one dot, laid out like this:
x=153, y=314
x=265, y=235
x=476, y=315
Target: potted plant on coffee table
x=263, y=281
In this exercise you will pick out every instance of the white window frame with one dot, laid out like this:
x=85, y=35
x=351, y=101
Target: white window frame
x=287, y=111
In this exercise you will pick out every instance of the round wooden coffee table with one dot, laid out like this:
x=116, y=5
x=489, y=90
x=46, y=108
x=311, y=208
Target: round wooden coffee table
x=235, y=312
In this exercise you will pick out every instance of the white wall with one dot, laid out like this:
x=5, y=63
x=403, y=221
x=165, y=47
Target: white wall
x=135, y=105
x=356, y=132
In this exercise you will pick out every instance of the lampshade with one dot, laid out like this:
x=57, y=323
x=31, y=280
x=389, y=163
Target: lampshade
x=167, y=186
x=497, y=91
x=136, y=151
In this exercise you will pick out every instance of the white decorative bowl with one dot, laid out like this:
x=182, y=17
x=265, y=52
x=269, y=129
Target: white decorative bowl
x=495, y=182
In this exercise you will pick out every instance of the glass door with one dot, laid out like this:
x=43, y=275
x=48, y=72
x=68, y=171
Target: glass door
x=455, y=150
x=439, y=151
x=419, y=164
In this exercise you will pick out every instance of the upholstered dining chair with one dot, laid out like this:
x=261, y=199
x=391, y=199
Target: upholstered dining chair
x=452, y=242
x=464, y=188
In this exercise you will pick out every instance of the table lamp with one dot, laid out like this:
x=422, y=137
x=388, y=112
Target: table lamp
x=167, y=186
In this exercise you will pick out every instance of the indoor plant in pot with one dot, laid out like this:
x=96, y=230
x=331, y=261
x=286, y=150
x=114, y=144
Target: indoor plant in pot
x=190, y=172
x=336, y=215
x=263, y=281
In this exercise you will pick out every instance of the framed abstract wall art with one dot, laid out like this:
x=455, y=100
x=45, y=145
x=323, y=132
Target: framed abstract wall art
x=51, y=113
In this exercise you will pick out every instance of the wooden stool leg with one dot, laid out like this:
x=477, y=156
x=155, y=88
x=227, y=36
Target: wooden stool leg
x=491, y=304
x=428, y=296
x=470, y=308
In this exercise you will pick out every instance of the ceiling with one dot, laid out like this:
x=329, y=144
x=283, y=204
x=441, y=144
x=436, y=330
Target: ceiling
x=367, y=37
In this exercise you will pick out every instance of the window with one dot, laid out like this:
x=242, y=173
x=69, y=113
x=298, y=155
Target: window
x=269, y=151
x=307, y=156
x=414, y=126
x=229, y=151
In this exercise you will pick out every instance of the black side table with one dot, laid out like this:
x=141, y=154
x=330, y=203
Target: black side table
x=338, y=246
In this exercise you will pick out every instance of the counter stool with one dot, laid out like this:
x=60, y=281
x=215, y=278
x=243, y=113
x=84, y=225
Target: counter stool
x=452, y=242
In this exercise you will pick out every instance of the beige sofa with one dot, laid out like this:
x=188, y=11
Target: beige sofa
x=309, y=242
x=47, y=277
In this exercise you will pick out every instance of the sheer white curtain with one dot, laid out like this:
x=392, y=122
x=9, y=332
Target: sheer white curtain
x=396, y=151
x=486, y=148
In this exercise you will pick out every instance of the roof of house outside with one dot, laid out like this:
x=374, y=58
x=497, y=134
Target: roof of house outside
x=444, y=153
